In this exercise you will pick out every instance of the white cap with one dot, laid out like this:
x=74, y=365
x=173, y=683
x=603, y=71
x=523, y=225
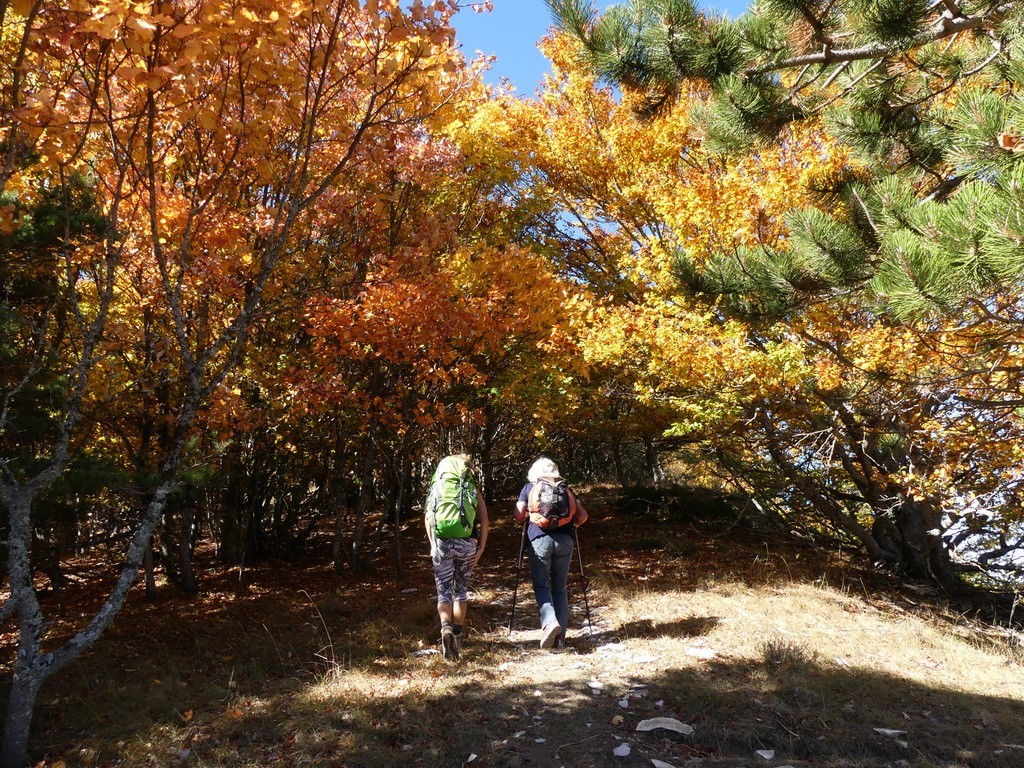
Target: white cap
x=542, y=467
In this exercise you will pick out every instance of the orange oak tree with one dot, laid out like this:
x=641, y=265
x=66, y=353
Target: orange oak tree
x=206, y=134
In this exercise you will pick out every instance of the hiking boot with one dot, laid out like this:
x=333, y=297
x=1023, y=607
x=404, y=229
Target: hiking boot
x=550, y=635
x=449, y=644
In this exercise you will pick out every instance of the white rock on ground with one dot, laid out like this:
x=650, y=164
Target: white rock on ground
x=665, y=723
x=890, y=732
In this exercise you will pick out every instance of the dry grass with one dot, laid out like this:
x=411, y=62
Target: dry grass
x=756, y=645
x=811, y=672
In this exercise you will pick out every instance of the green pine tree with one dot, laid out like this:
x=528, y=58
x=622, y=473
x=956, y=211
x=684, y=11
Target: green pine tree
x=928, y=95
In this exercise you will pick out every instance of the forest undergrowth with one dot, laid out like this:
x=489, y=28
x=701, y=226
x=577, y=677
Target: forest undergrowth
x=774, y=653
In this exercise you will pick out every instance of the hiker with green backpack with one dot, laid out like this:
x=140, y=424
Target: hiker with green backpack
x=457, y=525
x=550, y=513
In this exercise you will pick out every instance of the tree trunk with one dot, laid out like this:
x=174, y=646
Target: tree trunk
x=923, y=554
x=26, y=679
x=3, y=554
x=404, y=487
x=365, y=497
x=399, y=573
x=487, y=457
x=188, y=577
x=340, y=493
x=230, y=545
x=32, y=667
x=338, y=544
x=654, y=464
x=168, y=557
x=48, y=561
x=147, y=564
x=620, y=476
x=21, y=703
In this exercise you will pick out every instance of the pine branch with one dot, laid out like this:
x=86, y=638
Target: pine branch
x=945, y=27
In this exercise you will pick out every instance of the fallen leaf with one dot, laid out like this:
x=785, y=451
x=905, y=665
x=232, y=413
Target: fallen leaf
x=622, y=750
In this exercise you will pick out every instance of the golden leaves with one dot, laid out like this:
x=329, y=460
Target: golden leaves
x=22, y=7
x=225, y=118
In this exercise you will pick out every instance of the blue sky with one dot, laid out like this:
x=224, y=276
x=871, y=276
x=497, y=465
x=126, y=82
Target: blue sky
x=511, y=32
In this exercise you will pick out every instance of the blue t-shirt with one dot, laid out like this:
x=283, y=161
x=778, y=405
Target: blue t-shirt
x=535, y=531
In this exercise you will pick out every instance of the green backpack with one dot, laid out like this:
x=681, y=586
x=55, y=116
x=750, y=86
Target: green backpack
x=454, y=492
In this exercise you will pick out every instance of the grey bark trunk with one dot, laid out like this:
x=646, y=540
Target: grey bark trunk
x=20, y=705
x=26, y=679
x=654, y=464
x=32, y=667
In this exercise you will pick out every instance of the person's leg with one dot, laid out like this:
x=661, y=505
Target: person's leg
x=449, y=643
x=561, y=561
x=459, y=620
x=463, y=553
x=444, y=573
x=444, y=570
x=541, y=553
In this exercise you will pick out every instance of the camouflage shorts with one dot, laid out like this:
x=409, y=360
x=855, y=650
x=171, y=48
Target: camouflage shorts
x=453, y=565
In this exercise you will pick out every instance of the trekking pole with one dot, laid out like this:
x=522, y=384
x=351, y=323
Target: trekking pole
x=586, y=603
x=519, y=571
